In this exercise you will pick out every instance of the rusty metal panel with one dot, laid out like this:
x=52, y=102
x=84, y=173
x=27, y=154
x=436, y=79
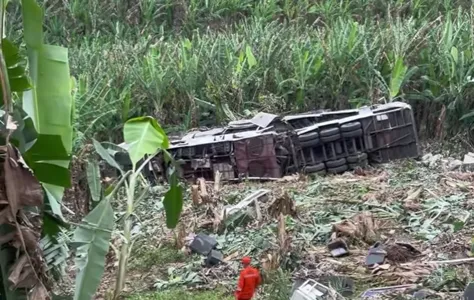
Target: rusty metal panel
x=255, y=157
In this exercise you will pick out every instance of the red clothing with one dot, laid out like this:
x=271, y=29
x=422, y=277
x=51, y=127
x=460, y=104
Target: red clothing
x=249, y=280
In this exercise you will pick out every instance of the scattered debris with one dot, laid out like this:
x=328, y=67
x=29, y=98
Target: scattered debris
x=376, y=255
x=411, y=201
x=338, y=247
x=386, y=290
x=256, y=196
x=469, y=291
x=214, y=258
x=359, y=228
x=453, y=164
x=431, y=160
x=313, y=290
x=422, y=294
x=283, y=205
x=343, y=285
x=404, y=201
x=203, y=244
x=401, y=252
x=468, y=162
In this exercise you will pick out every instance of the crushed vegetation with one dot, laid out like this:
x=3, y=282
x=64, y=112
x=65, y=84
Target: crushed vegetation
x=421, y=215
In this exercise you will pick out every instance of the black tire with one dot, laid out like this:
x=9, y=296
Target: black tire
x=351, y=134
x=292, y=170
x=339, y=148
x=354, y=159
x=310, y=143
x=314, y=169
x=308, y=136
x=329, y=132
x=362, y=164
x=335, y=163
x=350, y=126
x=338, y=170
x=332, y=138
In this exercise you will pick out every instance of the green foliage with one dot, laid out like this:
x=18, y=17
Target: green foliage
x=92, y=237
x=173, y=201
x=278, y=285
x=231, y=58
x=146, y=257
x=49, y=104
x=183, y=295
x=15, y=63
x=143, y=136
x=93, y=180
x=42, y=136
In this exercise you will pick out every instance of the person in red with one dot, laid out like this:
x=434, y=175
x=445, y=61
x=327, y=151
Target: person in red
x=249, y=280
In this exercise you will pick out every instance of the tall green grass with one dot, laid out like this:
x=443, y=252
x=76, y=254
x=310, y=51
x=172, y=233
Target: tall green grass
x=195, y=62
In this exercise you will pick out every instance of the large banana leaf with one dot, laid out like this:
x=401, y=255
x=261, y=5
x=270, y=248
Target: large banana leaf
x=49, y=104
x=93, y=237
x=173, y=201
x=93, y=180
x=143, y=136
x=15, y=67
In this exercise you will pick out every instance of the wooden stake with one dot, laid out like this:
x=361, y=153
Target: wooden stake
x=217, y=181
x=195, y=195
x=204, y=194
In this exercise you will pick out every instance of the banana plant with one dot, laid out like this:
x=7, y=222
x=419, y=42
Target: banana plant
x=400, y=74
x=144, y=139
x=38, y=139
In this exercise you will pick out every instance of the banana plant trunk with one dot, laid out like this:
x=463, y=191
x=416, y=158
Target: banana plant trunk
x=125, y=250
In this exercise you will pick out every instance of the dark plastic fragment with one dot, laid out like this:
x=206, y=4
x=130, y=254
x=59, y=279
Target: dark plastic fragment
x=214, y=258
x=203, y=244
x=376, y=255
x=338, y=248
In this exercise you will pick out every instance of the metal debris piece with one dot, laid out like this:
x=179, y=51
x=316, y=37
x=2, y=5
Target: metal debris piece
x=421, y=294
x=338, y=247
x=313, y=290
x=263, y=120
x=255, y=196
x=203, y=244
x=376, y=255
x=214, y=258
x=468, y=162
x=385, y=290
x=469, y=291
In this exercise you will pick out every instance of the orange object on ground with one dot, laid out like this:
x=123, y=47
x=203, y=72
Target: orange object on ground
x=249, y=280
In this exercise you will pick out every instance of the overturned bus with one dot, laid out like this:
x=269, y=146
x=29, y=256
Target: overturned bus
x=323, y=142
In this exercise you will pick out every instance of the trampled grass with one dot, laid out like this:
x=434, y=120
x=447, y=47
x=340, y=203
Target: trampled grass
x=182, y=295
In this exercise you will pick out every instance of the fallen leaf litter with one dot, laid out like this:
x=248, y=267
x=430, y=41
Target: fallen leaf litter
x=419, y=215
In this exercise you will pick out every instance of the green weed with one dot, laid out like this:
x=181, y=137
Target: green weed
x=278, y=285
x=183, y=295
x=145, y=257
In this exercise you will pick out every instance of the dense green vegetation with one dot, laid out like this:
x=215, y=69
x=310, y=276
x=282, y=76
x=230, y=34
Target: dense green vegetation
x=188, y=62
x=183, y=295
